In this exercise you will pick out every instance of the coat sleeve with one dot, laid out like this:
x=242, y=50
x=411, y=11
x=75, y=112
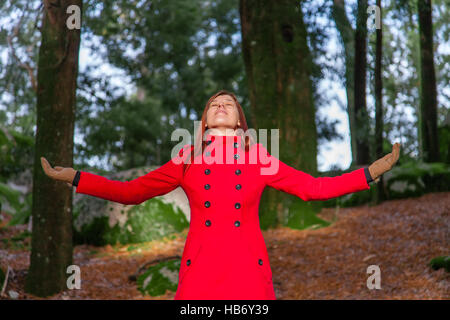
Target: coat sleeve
x=155, y=183
x=288, y=179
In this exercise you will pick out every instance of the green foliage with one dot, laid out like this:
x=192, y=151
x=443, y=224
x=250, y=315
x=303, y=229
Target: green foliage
x=303, y=215
x=300, y=214
x=410, y=179
x=168, y=51
x=440, y=262
x=16, y=150
x=22, y=208
x=151, y=220
x=173, y=67
x=92, y=233
x=9, y=195
x=351, y=199
x=413, y=179
x=159, y=278
x=16, y=156
x=444, y=143
x=23, y=214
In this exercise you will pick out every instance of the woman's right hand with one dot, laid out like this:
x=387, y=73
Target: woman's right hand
x=58, y=173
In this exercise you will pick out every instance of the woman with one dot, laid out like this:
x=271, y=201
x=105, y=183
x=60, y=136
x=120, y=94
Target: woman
x=224, y=256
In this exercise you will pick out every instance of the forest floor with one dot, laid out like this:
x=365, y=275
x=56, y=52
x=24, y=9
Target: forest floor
x=398, y=236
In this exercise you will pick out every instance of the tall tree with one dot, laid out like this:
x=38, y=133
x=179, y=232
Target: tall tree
x=347, y=37
x=428, y=95
x=278, y=67
x=379, y=98
x=361, y=115
x=51, y=246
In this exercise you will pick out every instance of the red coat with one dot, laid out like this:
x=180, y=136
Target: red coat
x=224, y=256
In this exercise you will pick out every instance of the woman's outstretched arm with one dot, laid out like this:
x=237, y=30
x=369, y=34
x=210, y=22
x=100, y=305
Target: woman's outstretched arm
x=155, y=183
x=288, y=179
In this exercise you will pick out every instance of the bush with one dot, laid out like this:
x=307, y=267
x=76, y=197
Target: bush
x=411, y=179
x=159, y=278
x=151, y=220
x=440, y=262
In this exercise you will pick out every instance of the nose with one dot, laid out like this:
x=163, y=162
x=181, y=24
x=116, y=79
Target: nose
x=221, y=107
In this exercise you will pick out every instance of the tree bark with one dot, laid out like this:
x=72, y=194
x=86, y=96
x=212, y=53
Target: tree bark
x=278, y=67
x=347, y=35
x=51, y=245
x=428, y=92
x=361, y=115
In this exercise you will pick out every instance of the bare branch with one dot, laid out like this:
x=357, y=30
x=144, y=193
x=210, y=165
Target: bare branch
x=24, y=65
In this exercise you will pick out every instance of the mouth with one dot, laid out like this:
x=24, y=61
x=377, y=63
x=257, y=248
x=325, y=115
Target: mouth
x=221, y=111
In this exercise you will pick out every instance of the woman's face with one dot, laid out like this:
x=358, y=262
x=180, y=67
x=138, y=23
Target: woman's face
x=222, y=113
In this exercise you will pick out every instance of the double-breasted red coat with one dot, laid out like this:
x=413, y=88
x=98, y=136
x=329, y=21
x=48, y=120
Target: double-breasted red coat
x=225, y=256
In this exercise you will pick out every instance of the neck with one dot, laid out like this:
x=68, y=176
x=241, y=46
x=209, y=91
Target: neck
x=221, y=132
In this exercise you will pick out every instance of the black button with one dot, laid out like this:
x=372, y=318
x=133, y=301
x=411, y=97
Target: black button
x=208, y=153
x=236, y=156
x=207, y=171
x=207, y=186
x=208, y=142
x=237, y=223
x=238, y=187
x=237, y=205
x=236, y=144
x=188, y=262
x=207, y=204
x=237, y=172
x=260, y=262
x=208, y=223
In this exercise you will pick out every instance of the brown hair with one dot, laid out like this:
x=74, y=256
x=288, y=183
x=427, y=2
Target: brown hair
x=199, y=139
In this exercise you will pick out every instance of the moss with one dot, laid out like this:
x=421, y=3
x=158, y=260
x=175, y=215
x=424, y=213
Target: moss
x=302, y=215
x=440, y=262
x=159, y=278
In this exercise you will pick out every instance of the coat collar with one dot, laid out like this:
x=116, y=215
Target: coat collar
x=217, y=140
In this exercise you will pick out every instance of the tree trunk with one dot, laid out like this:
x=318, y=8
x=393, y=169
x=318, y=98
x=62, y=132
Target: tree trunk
x=428, y=93
x=51, y=246
x=379, y=103
x=278, y=67
x=361, y=115
x=347, y=35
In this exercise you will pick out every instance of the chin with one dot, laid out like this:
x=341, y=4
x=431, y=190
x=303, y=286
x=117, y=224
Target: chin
x=222, y=124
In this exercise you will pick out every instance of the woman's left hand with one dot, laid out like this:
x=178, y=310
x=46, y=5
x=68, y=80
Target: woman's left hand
x=384, y=164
